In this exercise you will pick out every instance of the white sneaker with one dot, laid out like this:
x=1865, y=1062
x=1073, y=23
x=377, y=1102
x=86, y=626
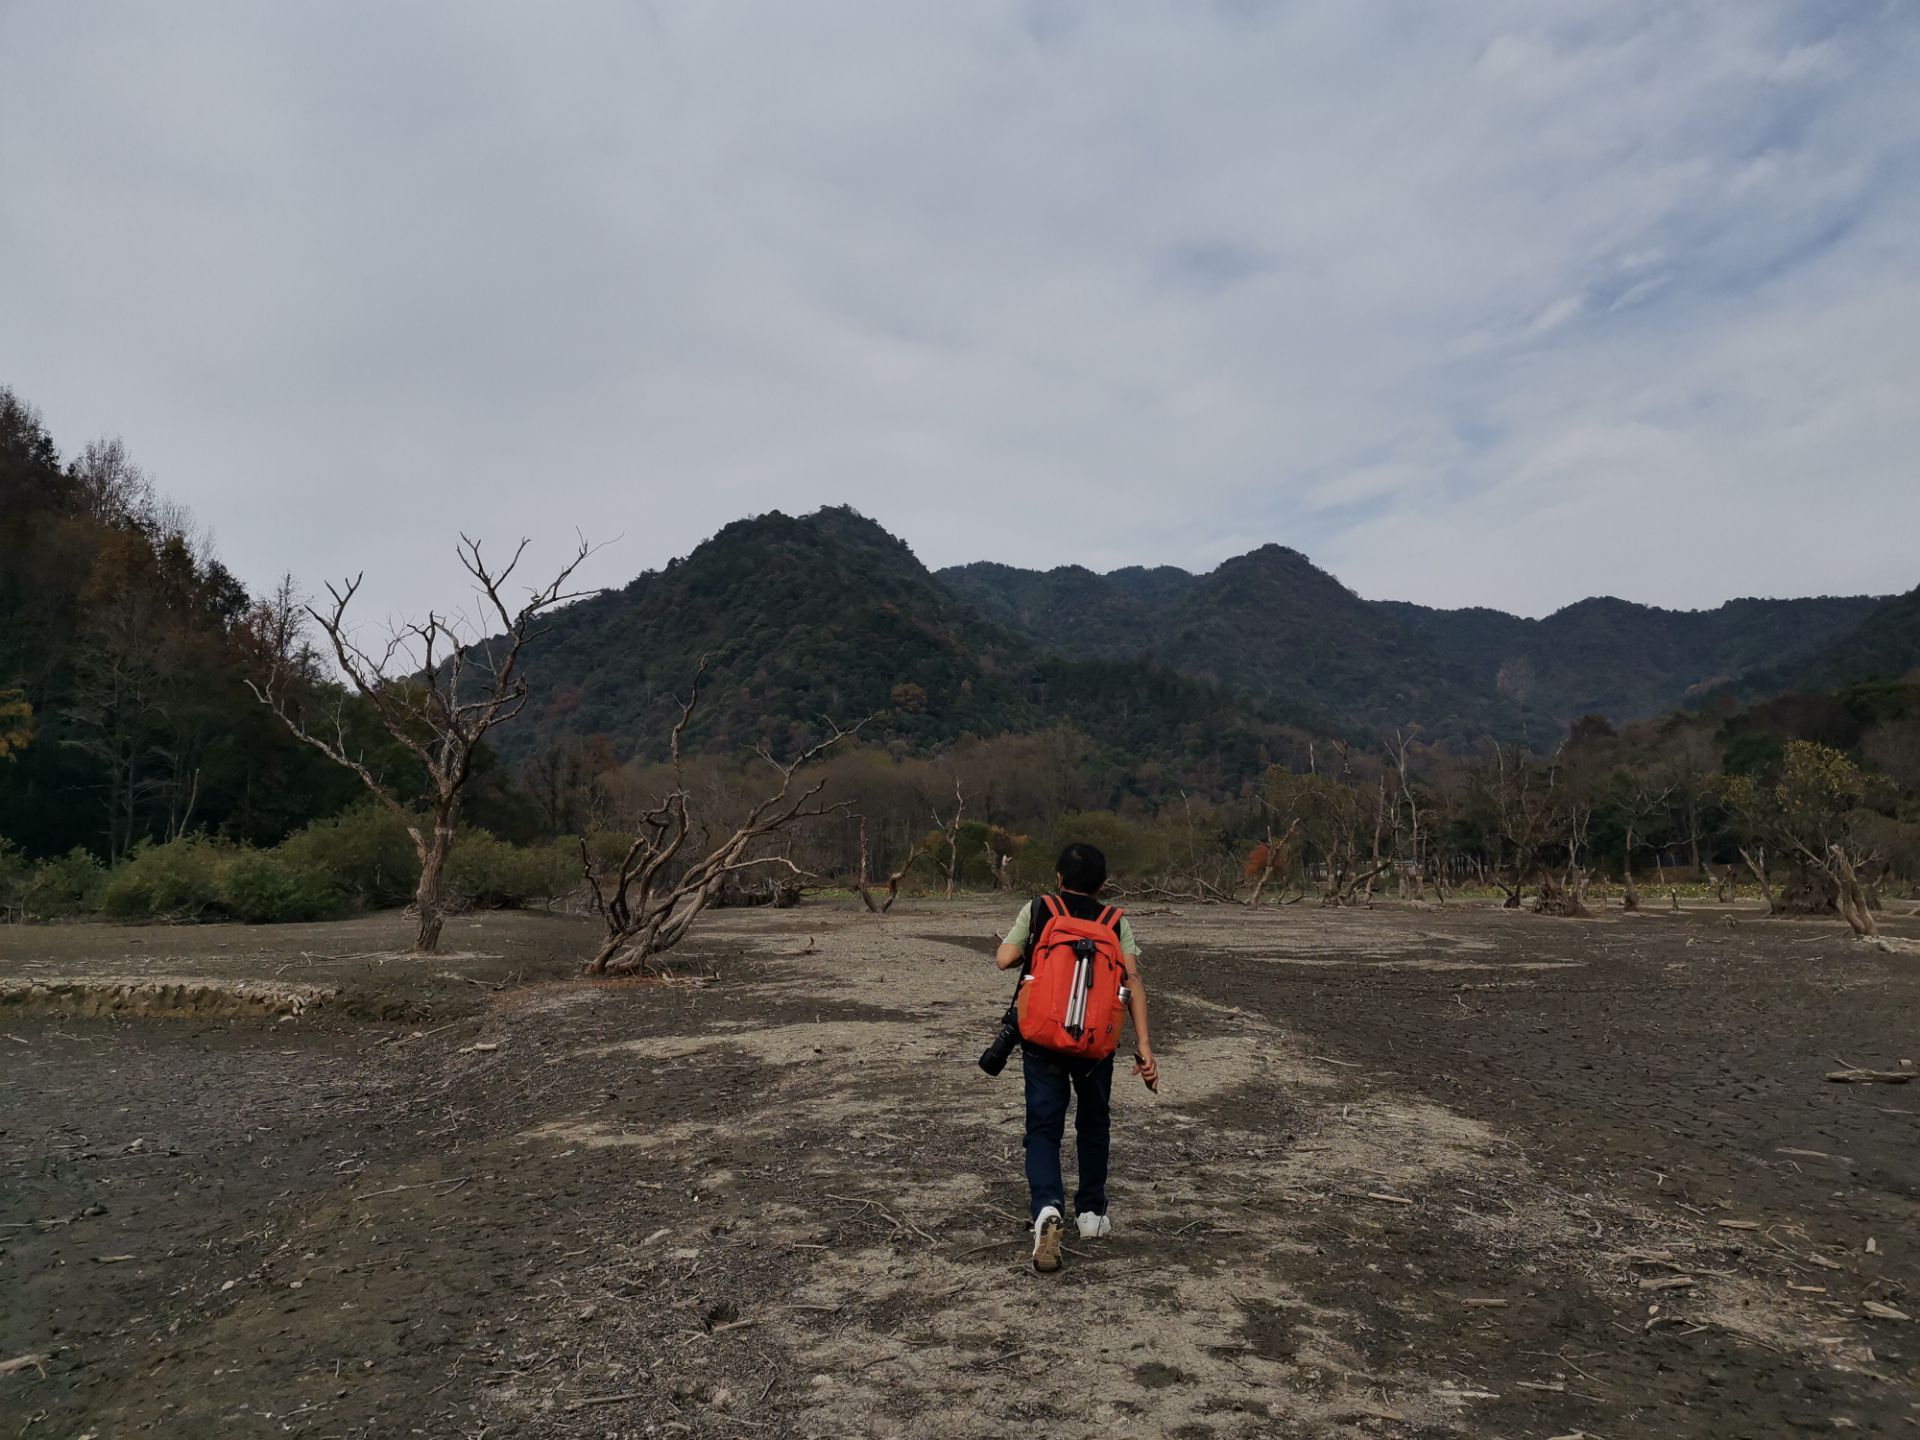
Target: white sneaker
x=1046, y=1239
x=1093, y=1227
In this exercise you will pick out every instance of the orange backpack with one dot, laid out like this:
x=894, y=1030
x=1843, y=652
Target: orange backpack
x=1070, y=1002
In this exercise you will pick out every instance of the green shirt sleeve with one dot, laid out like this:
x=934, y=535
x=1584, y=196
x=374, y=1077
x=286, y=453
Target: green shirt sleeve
x=1128, y=945
x=1022, y=928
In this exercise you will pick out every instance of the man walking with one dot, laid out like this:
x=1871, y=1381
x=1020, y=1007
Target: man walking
x=1080, y=977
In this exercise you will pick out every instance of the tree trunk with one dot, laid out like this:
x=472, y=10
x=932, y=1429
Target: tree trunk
x=1758, y=866
x=1556, y=899
x=426, y=895
x=1632, y=899
x=1810, y=890
x=862, y=884
x=1851, y=900
x=865, y=883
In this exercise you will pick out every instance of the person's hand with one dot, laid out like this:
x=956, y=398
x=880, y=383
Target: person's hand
x=1147, y=1068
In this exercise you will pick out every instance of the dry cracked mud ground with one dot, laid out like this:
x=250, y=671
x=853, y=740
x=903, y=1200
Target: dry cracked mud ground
x=1447, y=1172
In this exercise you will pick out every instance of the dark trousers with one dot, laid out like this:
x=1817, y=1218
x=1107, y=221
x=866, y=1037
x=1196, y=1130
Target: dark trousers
x=1050, y=1078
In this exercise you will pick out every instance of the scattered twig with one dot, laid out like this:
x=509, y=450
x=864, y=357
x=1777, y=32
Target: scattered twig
x=453, y=1184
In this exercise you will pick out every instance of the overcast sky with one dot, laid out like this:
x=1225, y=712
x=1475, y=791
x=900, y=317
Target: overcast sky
x=1502, y=304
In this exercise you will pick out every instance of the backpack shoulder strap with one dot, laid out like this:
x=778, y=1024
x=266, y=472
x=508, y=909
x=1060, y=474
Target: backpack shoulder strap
x=1110, y=917
x=1055, y=906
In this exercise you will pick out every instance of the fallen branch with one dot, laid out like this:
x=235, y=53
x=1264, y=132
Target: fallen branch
x=1870, y=1077
x=1668, y=1282
x=624, y=1397
x=24, y=1362
x=424, y=1185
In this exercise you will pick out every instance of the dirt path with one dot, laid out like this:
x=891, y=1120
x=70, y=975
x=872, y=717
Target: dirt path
x=1410, y=1174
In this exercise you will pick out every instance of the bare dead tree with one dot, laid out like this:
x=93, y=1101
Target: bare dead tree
x=1419, y=860
x=1639, y=804
x=1382, y=860
x=865, y=886
x=436, y=693
x=652, y=898
x=1519, y=809
x=1759, y=864
x=1850, y=896
x=950, y=831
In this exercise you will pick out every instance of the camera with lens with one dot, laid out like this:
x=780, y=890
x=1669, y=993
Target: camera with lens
x=993, y=1059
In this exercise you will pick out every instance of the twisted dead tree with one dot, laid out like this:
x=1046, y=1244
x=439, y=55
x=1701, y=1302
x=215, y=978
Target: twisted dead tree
x=436, y=693
x=950, y=831
x=1809, y=812
x=1269, y=858
x=651, y=899
x=864, y=885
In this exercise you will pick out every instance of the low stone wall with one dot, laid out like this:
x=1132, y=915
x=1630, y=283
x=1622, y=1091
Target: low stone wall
x=97, y=996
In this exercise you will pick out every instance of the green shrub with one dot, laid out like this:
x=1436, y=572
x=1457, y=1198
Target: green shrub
x=487, y=873
x=177, y=880
x=69, y=885
x=261, y=887
x=1132, y=848
x=364, y=854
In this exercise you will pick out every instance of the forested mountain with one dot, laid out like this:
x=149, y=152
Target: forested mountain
x=826, y=618
x=1885, y=645
x=1626, y=661
x=1272, y=625
x=827, y=615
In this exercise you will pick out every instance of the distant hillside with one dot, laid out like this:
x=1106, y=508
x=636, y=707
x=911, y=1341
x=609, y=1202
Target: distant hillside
x=827, y=617
x=1269, y=625
x=1884, y=645
x=1625, y=661
x=1272, y=625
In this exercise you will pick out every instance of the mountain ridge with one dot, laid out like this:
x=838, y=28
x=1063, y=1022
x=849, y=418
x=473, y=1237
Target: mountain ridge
x=829, y=614
x=1603, y=654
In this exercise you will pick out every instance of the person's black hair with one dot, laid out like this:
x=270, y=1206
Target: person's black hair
x=1082, y=868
